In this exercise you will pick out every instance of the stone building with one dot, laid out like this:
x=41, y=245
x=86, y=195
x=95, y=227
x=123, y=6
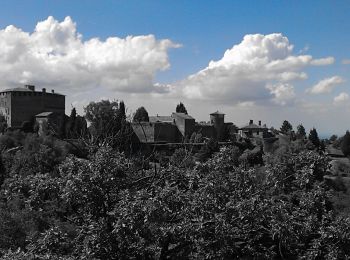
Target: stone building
x=52, y=122
x=178, y=128
x=19, y=105
x=253, y=130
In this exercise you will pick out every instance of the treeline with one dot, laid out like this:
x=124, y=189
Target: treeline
x=234, y=203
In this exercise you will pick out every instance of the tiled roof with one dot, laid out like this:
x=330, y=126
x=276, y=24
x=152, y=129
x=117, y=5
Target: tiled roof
x=183, y=115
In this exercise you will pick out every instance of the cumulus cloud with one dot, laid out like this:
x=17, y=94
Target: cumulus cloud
x=345, y=61
x=342, y=98
x=56, y=55
x=326, y=85
x=283, y=93
x=248, y=70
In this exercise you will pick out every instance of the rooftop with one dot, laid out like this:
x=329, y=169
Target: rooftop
x=44, y=114
x=183, y=115
x=157, y=118
x=217, y=113
x=253, y=126
x=26, y=89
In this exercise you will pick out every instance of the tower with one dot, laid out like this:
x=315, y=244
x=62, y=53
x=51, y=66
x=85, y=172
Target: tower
x=217, y=119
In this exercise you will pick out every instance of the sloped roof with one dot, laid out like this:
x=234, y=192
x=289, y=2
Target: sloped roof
x=44, y=114
x=183, y=115
x=217, y=113
x=252, y=126
x=161, y=119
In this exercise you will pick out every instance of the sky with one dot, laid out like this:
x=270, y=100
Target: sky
x=260, y=60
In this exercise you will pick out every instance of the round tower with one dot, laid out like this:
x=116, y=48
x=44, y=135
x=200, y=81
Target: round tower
x=218, y=120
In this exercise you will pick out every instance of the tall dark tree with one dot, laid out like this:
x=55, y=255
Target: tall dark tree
x=286, y=127
x=141, y=115
x=180, y=108
x=122, y=109
x=301, y=133
x=313, y=137
x=345, y=144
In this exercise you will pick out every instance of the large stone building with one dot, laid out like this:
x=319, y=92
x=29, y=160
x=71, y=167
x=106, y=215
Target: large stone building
x=19, y=105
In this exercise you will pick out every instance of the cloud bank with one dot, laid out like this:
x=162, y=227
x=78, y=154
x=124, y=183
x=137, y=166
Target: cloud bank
x=56, y=55
x=261, y=68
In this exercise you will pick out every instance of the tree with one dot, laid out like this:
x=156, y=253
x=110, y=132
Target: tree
x=105, y=121
x=301, y=133
x=122, y=109
x=313, y=137
x=141, y=115
x=3, y=123
x=76, y=125
x=180, y=108
x=286, y=127
x=345, y=144
x=333, y=138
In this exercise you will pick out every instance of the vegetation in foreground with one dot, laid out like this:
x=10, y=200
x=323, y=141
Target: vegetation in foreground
x=236, y=203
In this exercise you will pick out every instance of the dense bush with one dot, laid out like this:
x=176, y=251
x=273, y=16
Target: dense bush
x=231, y=205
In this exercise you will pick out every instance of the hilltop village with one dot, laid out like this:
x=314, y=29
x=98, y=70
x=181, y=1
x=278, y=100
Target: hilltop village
x=23, y=106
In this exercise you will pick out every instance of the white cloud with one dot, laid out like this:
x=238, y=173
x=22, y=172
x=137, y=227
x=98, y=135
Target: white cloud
x=323, y=61
x=342, y=98
x=345, y=61
x=283, y=93
x=247, y=71
x=55, y=55
x=326, y=85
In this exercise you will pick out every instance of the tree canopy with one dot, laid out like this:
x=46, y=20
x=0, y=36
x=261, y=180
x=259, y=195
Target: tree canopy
x=313, y=137
x=301, y=133
x=180, y=108
x=141, y=115
x=345, y=144
x=286, y=127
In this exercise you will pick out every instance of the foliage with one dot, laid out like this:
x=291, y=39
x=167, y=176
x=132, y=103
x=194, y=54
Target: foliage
x=108, y=125
x=180, y=108
x=141, y=115
x=313, y=137
x=301, y=133
x=182, y=158
x=3, y=123
x=345, y=144
x=231, y=205
x=286, y=127
x=333, y=138
x=76, y=126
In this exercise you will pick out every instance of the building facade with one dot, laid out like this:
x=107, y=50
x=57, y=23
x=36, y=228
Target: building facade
x=19, y=105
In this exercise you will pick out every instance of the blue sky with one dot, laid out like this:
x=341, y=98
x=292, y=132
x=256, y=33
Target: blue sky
x=205, y=30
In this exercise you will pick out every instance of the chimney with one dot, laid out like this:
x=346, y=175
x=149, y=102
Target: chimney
x=44, y=90
x=250, y=121
x=53, y=91
x=259, y=122
x=30, y=87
